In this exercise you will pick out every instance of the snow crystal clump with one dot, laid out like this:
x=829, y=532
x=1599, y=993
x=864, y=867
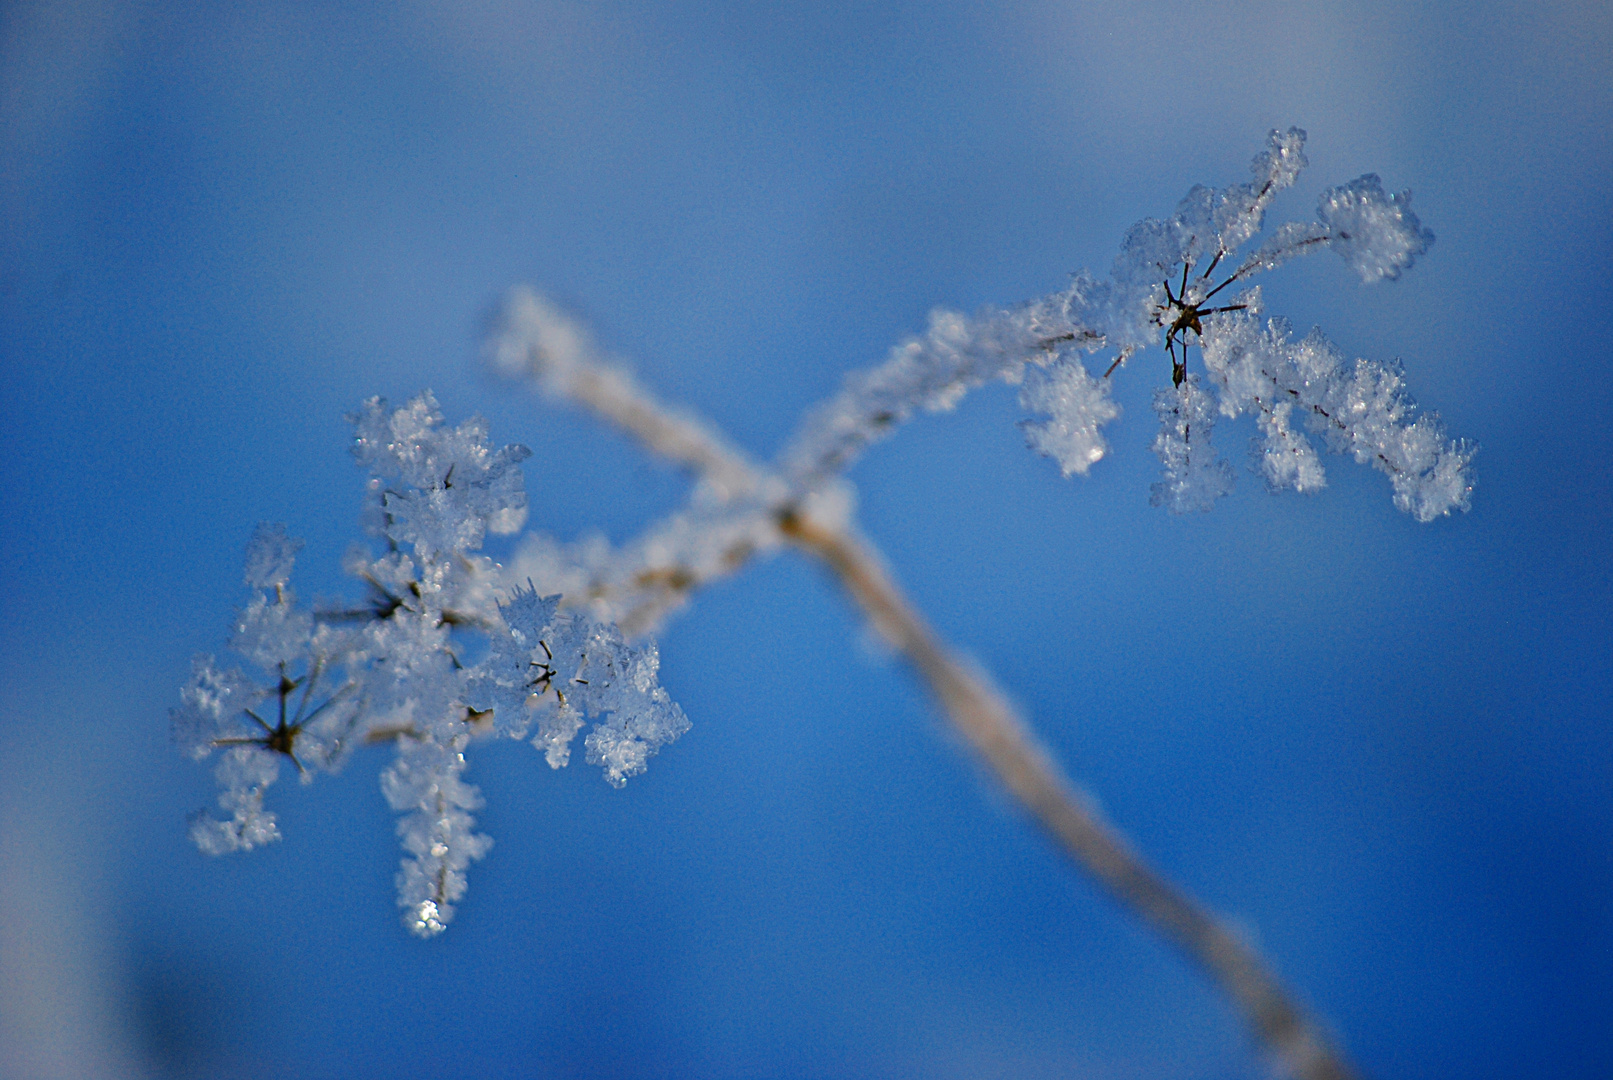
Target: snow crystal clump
x=1377, y=234
x=270, y=556
x=242, y=775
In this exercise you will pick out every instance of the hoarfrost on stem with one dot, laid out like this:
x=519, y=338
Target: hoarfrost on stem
x=424, y=784
x=1359, y=408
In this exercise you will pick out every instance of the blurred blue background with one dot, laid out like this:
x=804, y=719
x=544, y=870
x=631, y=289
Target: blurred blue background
x=1382, y=748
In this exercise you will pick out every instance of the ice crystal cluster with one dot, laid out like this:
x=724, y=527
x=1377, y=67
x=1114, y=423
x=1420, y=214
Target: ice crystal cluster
x=559, y=633
x=393, y=670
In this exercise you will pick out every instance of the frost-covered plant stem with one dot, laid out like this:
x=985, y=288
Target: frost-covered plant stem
x=1005, y=743
x=1013, y=754
x=552, y=628
x=979, y=712
x=538, y=341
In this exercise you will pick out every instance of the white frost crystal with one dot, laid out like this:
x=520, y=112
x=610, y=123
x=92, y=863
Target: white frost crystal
x=269, y=556
x=1377, y=234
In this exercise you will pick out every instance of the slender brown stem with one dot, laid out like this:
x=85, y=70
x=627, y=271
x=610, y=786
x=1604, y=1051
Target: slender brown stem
x=616, y=396
x=1007, y=746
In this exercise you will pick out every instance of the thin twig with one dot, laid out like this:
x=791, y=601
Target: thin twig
x=538, y=340
x=1008, y=747
x=616, y=396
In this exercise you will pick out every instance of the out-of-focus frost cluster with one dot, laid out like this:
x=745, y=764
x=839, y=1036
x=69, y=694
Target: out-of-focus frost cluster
x=393, y=668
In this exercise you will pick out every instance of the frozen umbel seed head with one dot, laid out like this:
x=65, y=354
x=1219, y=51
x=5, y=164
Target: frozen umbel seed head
x=392, y=669
x=1171, y=281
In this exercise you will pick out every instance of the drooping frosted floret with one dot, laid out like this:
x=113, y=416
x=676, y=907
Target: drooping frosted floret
x=424, y=784
x=1374, y=419
x=1361, y=409
x=1194, y=477
x=446, y=486
x=1078, y=406
x=243, y=774
x=559, y=667
x=1163, y=280
x=1376, y=233
x=270, y=555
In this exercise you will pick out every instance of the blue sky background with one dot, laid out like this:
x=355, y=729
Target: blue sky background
x=1382, y=748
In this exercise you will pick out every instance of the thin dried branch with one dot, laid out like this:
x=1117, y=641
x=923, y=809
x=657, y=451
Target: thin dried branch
x=983, y=716
x=537, y=340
